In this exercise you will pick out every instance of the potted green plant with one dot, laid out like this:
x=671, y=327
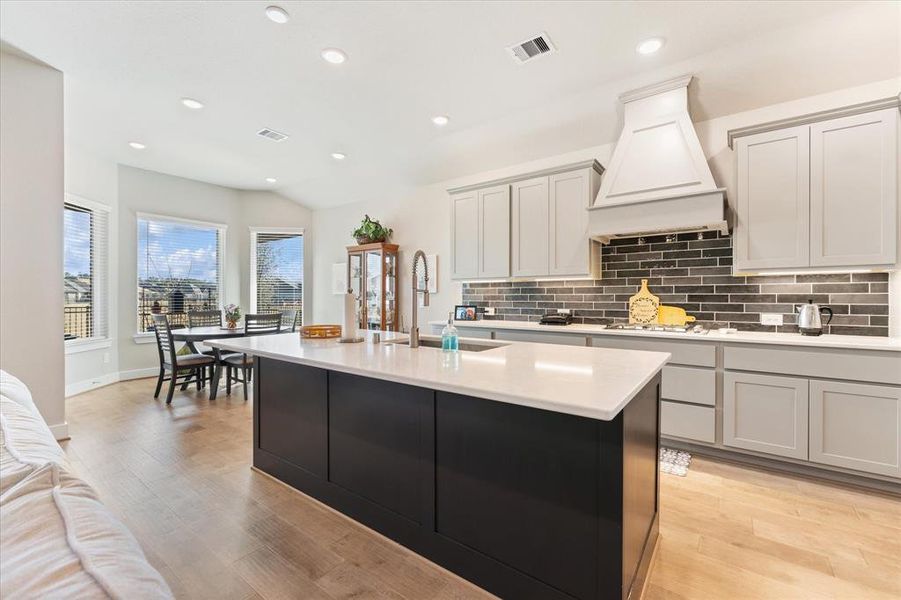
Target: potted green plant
x=370, y=232
x=232, y=314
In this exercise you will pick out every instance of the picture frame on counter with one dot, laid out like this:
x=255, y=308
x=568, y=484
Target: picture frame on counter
x=463, y=312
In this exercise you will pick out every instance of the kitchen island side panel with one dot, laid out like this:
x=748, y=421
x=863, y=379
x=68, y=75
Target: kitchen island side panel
x=552, y=474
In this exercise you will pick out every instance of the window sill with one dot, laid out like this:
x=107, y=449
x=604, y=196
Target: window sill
x=144, y=338
x=76, y=346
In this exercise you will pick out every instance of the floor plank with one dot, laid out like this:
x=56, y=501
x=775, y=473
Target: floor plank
x=180, y=478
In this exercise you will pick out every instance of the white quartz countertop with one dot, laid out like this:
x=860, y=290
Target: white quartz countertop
x=588, y=382
x=853, y=342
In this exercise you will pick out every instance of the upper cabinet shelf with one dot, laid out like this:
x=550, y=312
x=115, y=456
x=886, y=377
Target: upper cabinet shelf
x=820, y=191
x=535, y=225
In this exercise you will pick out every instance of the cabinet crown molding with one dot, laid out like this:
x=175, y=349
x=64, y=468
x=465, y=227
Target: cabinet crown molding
x=592, y=163
x=845, y=111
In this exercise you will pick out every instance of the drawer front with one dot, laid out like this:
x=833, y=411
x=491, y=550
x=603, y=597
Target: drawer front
x=868, y=366
x=687, y=384
x=765, y=413
x=856, y=426
x=467, y=332
x=541, y=337
x=698, y=354
x=688, y=421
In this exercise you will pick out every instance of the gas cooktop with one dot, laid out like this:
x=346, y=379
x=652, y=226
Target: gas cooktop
x=692, y=329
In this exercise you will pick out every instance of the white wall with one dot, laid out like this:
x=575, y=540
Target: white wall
x=143, y=191
x=422, y=219
x=31, y=225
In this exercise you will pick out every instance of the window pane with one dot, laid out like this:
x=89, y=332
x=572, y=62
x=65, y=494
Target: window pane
x=178, y=270
x=78, y=284
x=279, y=273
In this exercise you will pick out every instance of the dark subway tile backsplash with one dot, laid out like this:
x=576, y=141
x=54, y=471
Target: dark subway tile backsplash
x=695, y=274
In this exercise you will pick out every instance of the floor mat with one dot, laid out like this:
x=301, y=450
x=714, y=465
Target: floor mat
x=675, y=462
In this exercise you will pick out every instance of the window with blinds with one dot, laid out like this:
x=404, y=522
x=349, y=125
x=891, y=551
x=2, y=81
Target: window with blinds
x=179, y=268
x=85, y=271
x=277, y=277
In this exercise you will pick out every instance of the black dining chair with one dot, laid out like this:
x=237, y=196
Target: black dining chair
x=183, y=367
x=253, y=324
x=205, y=318
x=289, y=320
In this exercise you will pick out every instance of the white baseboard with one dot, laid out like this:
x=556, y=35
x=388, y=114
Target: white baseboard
x=138, y=373
x=60, y=431
x=89, y=384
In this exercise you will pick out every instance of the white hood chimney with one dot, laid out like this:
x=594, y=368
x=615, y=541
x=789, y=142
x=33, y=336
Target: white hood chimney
x=658, y=180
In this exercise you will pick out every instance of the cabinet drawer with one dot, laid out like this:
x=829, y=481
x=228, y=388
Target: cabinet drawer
x=688, y=421
x=686, y=384
x=856, y=426
x=855, y=365
x=698, y=354
x=541, y=337
x=468, y=332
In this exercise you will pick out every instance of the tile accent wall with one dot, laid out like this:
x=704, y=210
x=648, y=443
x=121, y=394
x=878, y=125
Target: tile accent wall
x=696, y=275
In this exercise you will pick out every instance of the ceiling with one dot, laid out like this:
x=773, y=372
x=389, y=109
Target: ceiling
x=128, y=64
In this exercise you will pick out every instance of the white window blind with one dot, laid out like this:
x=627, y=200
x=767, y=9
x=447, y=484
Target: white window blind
x=85, y=270
x=277, y=271
x=179, y=268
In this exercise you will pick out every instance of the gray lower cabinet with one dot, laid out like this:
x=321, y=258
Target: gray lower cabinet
x=765, y=413
x=856, y=426
x=688, y=421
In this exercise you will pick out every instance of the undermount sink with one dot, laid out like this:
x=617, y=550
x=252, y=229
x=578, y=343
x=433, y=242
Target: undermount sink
x=464, y=345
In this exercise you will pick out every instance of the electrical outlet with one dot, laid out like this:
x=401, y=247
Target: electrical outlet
x=771, y=319
x=564, y=311
x=489, y=311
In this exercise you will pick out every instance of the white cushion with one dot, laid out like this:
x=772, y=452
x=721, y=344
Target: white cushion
x=13, y=388
x=25, y=443
x=60, y=542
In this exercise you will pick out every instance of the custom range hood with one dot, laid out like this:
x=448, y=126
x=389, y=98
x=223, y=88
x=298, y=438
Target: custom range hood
x=658, y=180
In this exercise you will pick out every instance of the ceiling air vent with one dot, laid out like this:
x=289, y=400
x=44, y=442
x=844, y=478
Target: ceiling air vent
x=272, y=135
x=532, y=48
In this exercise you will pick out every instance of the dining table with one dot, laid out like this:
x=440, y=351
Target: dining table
x=192, y=336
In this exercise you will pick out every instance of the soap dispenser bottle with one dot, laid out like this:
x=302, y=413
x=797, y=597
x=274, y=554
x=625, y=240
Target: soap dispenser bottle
x=449, y=340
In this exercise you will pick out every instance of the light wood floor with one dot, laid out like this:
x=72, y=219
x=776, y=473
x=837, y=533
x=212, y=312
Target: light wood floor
x=180, y=478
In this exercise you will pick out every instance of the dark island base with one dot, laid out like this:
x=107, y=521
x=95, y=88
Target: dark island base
x=525, y=503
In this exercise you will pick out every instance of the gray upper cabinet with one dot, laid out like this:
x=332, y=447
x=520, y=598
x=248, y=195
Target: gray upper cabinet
x=494, y=231
x=822, y=193
x=772, y=225
x=854, y=190
x=530, y=227
x=569, y=251
x=465, y=235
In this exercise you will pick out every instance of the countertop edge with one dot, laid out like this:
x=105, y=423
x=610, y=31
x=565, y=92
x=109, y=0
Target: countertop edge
x=603, y=415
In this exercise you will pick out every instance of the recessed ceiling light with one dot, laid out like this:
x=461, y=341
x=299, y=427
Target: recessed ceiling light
x=137, y=145
x=271, y=180
x=339, y=155
x=650, y=46
x=440, y=120
x=192, y=103
x=277, y=14
x=334, y=56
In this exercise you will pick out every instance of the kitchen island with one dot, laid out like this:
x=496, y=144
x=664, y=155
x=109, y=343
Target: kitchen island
x=529, y=469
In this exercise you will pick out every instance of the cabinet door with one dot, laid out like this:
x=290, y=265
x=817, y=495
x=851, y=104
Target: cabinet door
x=529, y=229
x=853, y=190
x=765, y=413
x=772, y=227
x=494, y=231
x=569, y=243
x=856, y=426
x=465, y=235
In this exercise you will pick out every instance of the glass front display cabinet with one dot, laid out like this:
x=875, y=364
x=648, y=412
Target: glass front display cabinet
x=372, y=278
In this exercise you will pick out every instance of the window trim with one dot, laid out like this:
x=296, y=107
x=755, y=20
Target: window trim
x=147, y=337
x=254, y=231
x=95, y=342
